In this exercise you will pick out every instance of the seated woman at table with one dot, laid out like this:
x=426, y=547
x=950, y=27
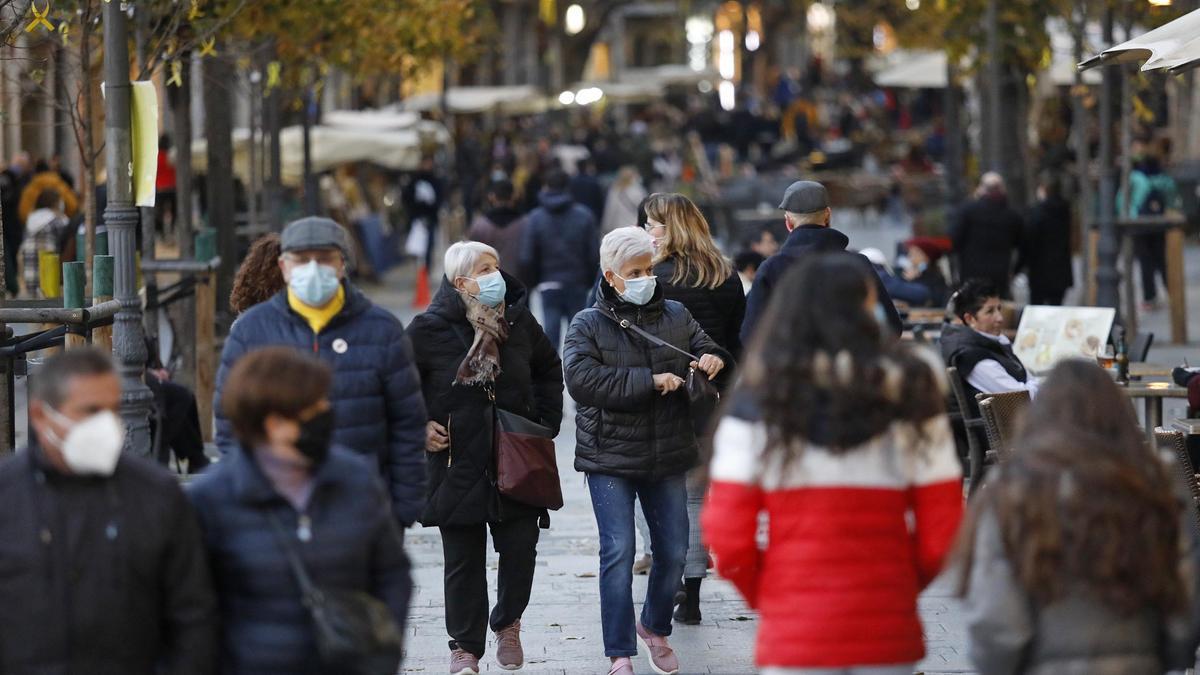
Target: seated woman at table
x=978, y=349
x=1078, y=556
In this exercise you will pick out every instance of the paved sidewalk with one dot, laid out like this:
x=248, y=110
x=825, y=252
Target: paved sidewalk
x=561, y=628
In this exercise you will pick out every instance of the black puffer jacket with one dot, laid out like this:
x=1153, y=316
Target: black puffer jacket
x=719, y=311
x=624, y=427
x=462, y=489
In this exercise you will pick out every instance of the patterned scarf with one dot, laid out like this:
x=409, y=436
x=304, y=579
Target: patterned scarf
x=482, y=364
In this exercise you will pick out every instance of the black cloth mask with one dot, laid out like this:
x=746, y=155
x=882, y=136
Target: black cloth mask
x=316, y=433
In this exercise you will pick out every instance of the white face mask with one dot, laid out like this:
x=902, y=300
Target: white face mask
x=93, y=444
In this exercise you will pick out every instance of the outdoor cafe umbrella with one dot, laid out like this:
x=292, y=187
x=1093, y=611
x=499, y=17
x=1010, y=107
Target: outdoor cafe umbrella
x=1174, y=46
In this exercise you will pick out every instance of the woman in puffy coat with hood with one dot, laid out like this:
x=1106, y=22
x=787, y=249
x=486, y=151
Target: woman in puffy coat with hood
x=479, y=349
x=635, y=437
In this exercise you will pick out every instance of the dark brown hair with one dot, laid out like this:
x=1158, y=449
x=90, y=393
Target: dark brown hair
x=279, y=380
x=821, y=369
x=258, y=277
x=1084, y=500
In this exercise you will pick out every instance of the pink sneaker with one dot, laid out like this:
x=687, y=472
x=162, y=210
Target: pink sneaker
x=509, y=654
x=662, y=657
x=621, y=666
x=463, y=662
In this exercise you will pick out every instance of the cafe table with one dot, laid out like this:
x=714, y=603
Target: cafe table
x=1146, y=370
x=1153, y=394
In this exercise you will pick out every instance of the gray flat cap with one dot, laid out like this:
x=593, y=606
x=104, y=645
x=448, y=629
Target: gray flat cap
x=804, y=196
x=315, y=232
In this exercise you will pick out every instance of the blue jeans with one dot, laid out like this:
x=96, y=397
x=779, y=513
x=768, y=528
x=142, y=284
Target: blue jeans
x=665, y=504
x=561, y=304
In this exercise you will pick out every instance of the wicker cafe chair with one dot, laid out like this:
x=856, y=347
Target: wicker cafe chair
x=1000, y=413
x=971, y=424
x=1174, y=443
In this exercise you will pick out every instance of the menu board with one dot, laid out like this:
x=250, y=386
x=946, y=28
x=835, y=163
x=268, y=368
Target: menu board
x=1048, y=335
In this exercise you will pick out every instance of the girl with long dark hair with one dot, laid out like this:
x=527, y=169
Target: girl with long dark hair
x=1072, y=558
x=841, y=437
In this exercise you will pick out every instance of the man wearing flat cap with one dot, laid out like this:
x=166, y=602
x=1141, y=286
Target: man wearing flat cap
x=376, y=395
x=807, y=215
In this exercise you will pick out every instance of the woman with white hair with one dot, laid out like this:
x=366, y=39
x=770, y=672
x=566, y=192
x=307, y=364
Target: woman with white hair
x=480, y=351
x=635, y=437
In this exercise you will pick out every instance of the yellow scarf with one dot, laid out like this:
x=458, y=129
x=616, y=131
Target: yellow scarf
x=318, y=317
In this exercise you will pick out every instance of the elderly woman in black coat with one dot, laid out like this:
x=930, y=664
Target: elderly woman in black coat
x=635, y=437
x=288, y=487
x=479, y=350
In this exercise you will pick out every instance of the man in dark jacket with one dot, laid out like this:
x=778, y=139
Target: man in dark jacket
x=422, y=198
x=586, y=189
x=501, y=226
x=1047, y=246
x=559, y=253
x=102, y=566
x=376, y=392
x=987, y=234
x=807, y=215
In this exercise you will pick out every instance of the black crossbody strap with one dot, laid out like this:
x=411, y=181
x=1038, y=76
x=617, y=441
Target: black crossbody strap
x=306, y=585
x=653, y=339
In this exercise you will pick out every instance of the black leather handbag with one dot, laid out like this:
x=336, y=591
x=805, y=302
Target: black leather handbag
x=355, y=633
x=700, y=390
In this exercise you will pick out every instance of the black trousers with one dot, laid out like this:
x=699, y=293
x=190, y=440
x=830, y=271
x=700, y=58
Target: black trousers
x=180, y=433
x=1045, y=296
x=465, y=551
x=1151, y=253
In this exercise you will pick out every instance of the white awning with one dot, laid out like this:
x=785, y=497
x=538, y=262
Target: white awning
x=385, y=119
x=334, y=146
x=926, y=69
x=518, y=100
x=1174, y=46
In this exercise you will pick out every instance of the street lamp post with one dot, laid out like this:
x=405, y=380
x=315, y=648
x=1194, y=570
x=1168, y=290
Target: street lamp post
x=121, y=219
x=1107, y=277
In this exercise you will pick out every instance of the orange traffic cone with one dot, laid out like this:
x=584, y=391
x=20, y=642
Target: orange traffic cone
x=421, y=296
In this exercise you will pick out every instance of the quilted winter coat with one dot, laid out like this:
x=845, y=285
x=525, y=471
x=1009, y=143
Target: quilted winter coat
x=462, y=485
x=624, y=427
x=376, y=395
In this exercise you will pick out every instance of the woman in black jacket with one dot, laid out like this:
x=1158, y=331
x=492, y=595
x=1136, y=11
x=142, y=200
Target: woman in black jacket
x=635, y=437
x=478, y=349
x=692, y=271
x=327, y=501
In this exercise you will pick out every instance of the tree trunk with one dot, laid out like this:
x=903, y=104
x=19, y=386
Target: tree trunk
x=183, y=313
x=87, y=154
x=312, y=201
x=1079, y=122
x=219, y=76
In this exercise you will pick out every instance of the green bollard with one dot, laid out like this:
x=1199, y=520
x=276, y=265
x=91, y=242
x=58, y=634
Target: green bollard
x=81, y=242
x=102, y=276
x=206, y=244
x=73, y=282
x=101, y=241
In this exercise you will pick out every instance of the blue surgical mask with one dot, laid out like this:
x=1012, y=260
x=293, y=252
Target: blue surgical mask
x=639, y=291
x=491, y=289
x=314, y=284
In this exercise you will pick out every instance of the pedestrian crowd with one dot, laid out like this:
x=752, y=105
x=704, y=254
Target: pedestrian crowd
x=701, y=408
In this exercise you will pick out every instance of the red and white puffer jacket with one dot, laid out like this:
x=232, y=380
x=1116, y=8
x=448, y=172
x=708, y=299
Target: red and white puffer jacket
x=852, y=539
